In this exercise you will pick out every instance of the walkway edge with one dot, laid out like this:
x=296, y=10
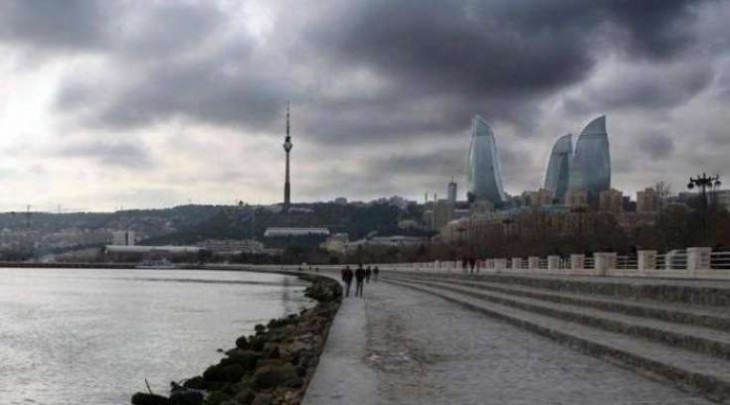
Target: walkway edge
x=342, y=375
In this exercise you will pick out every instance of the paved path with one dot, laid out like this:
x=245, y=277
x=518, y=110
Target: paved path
x=402, y=346
x=343, y=376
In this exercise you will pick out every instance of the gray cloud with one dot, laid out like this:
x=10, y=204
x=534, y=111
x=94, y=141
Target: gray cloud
x=56, y=25
x=657, y=146
x=429, y=65
x=653, y=86
x=440, y=163
x=125, y=155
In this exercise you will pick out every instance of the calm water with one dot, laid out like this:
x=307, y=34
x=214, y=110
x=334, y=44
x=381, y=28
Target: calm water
x=93, y=336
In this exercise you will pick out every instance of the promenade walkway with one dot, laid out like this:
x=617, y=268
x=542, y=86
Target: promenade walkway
x=401, y=346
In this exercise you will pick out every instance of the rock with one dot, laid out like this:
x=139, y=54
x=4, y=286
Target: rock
x=245, y=396
x=246, y=358
x=296, y=382
x=142, y=398
x=196, y=382
x=274, y=353
x=242, y=343
x=216, y=398
x=257, y=342
x=273, y=376
x=263, y=398
x=186, y=397
x=224, y=373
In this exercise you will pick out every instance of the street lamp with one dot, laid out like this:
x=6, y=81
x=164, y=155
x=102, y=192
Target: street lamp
x=703, y=183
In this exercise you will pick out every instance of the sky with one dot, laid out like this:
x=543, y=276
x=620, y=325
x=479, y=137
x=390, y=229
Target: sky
x=146, y=104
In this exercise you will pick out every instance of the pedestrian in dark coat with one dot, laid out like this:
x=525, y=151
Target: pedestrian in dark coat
x=375, y=273
x=347, y=279
x=359, y=279
x=368, y=272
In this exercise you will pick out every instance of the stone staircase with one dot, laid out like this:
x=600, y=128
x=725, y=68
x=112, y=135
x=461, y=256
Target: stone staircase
x=677, y=330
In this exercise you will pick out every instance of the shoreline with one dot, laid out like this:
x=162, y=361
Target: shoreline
x=272, y=366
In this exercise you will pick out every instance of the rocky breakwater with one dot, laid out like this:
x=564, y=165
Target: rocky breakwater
x=272, y=366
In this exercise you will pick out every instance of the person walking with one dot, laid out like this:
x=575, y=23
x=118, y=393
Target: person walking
x=375, y=273
x=368, y=273
x=347, y=279
x=359, y=278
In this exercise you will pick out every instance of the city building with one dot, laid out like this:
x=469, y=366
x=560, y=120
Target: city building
x=155, y=250
x=611, y=200
x=443, y=212
x=123, y=238
x=289, y=232
x=590, y=169
x=336, y=243
x=452, y=191
x=557, y=177
x=484, y=175
x=232, y=246
x=539, y=198
x=576, y=198
x=722, y=197
x=647, y=200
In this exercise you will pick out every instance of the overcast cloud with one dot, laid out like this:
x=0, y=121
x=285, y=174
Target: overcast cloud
x=188, y=98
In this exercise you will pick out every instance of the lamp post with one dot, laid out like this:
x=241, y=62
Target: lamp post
x=703, y=183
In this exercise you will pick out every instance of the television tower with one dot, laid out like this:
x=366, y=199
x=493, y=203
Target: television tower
x=287, y=148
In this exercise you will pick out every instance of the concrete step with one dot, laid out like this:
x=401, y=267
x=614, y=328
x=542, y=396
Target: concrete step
x=700, y=339
x=688, y=369
x=709, y=317
x=692, y=292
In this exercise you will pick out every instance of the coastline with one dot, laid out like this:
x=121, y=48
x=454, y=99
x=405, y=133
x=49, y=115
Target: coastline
x=272, y=366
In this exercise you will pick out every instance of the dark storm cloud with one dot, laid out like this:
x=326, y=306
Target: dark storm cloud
x=439, y=163
x=429, y=65
x=448, y=59
x=657, y=146
x=654, y=86
x=120, y=154
x=55, y=25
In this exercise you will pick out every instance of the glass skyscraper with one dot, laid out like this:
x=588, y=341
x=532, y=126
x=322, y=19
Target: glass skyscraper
x=557, y=178
x=590, y=169
x=484, y=175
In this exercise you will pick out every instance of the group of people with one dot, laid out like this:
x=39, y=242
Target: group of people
x=361, y=276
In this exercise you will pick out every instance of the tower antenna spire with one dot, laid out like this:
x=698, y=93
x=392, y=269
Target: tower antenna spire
x=288, y=126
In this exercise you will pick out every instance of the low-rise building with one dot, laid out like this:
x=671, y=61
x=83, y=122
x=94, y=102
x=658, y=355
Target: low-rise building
x=232, y=246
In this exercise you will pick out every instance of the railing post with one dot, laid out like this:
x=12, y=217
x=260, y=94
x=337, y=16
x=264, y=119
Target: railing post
x=516, y=263
x=533, y=263
x=553, y=262
x=500, y=264
x=646, y=260
x=577, y=262
x=698, y=258
x=604, y=261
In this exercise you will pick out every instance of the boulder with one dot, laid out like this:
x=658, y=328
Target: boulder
x=224, y=373
x=245, y=396
x=263, y=398
x=197, y=383
x=273, y=376
x=242, y=343
x=246, y=358
x=142, y=398
x=186, y=397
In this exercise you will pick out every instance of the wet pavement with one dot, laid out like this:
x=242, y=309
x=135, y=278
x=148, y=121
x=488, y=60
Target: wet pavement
x=421, y=349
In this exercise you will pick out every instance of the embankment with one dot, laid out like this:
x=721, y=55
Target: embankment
x=272, y=366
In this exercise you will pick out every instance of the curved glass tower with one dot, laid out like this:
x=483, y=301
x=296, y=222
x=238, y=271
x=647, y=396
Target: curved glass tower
x=484, y=175
x=590, y=169
x=557, y=178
